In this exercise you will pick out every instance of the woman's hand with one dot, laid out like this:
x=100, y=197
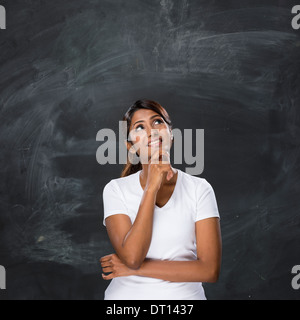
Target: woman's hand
x=158, y=166
x=112, y=263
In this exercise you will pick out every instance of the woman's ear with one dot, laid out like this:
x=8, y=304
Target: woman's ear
x=130, y=147
x=127, y=144
x=171, y=133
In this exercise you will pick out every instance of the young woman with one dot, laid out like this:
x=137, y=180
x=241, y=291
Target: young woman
x=162, y=222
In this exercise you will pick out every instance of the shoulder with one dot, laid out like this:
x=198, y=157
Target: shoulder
x=120, y=183
x=199, y=184
x=201, y=196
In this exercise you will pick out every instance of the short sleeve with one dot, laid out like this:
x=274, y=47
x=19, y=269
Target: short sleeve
x=206, y=202
x=113, y=201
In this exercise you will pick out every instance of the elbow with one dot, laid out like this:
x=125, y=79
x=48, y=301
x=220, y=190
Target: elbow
x=133, y=263
x=213, y=275
x=209, y=271
x=213, y=278
x=133, y=260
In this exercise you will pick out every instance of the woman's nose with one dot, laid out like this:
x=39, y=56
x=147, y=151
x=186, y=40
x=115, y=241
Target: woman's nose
x=153, y=133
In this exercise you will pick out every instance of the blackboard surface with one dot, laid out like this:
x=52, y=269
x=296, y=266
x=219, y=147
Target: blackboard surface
x=69, y=68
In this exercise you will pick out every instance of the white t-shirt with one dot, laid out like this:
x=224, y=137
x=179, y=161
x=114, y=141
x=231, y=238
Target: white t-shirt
x=173, y=235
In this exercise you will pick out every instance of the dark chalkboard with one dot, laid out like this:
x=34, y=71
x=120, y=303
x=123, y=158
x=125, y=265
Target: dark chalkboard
x=70, y=68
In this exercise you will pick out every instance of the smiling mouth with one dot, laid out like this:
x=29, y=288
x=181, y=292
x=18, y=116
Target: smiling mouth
x=155, y=143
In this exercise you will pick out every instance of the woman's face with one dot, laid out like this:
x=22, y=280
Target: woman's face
x=148, y=132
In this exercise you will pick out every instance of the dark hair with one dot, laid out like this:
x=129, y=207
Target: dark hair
x=130, y=168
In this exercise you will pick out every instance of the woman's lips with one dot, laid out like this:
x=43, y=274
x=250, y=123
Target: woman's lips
x=155, y=143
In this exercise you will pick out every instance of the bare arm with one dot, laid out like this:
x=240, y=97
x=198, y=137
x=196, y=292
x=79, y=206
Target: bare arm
x=205, y=269
x=131, y=241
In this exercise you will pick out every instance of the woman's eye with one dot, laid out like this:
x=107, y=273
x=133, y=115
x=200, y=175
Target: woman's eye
x=141, y=126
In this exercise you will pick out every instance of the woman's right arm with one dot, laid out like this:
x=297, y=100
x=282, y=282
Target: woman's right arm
x=131, y=241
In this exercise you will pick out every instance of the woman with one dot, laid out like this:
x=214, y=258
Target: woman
x=162, y=222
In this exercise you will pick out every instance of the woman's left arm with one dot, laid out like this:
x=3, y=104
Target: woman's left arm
x=205, y=269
